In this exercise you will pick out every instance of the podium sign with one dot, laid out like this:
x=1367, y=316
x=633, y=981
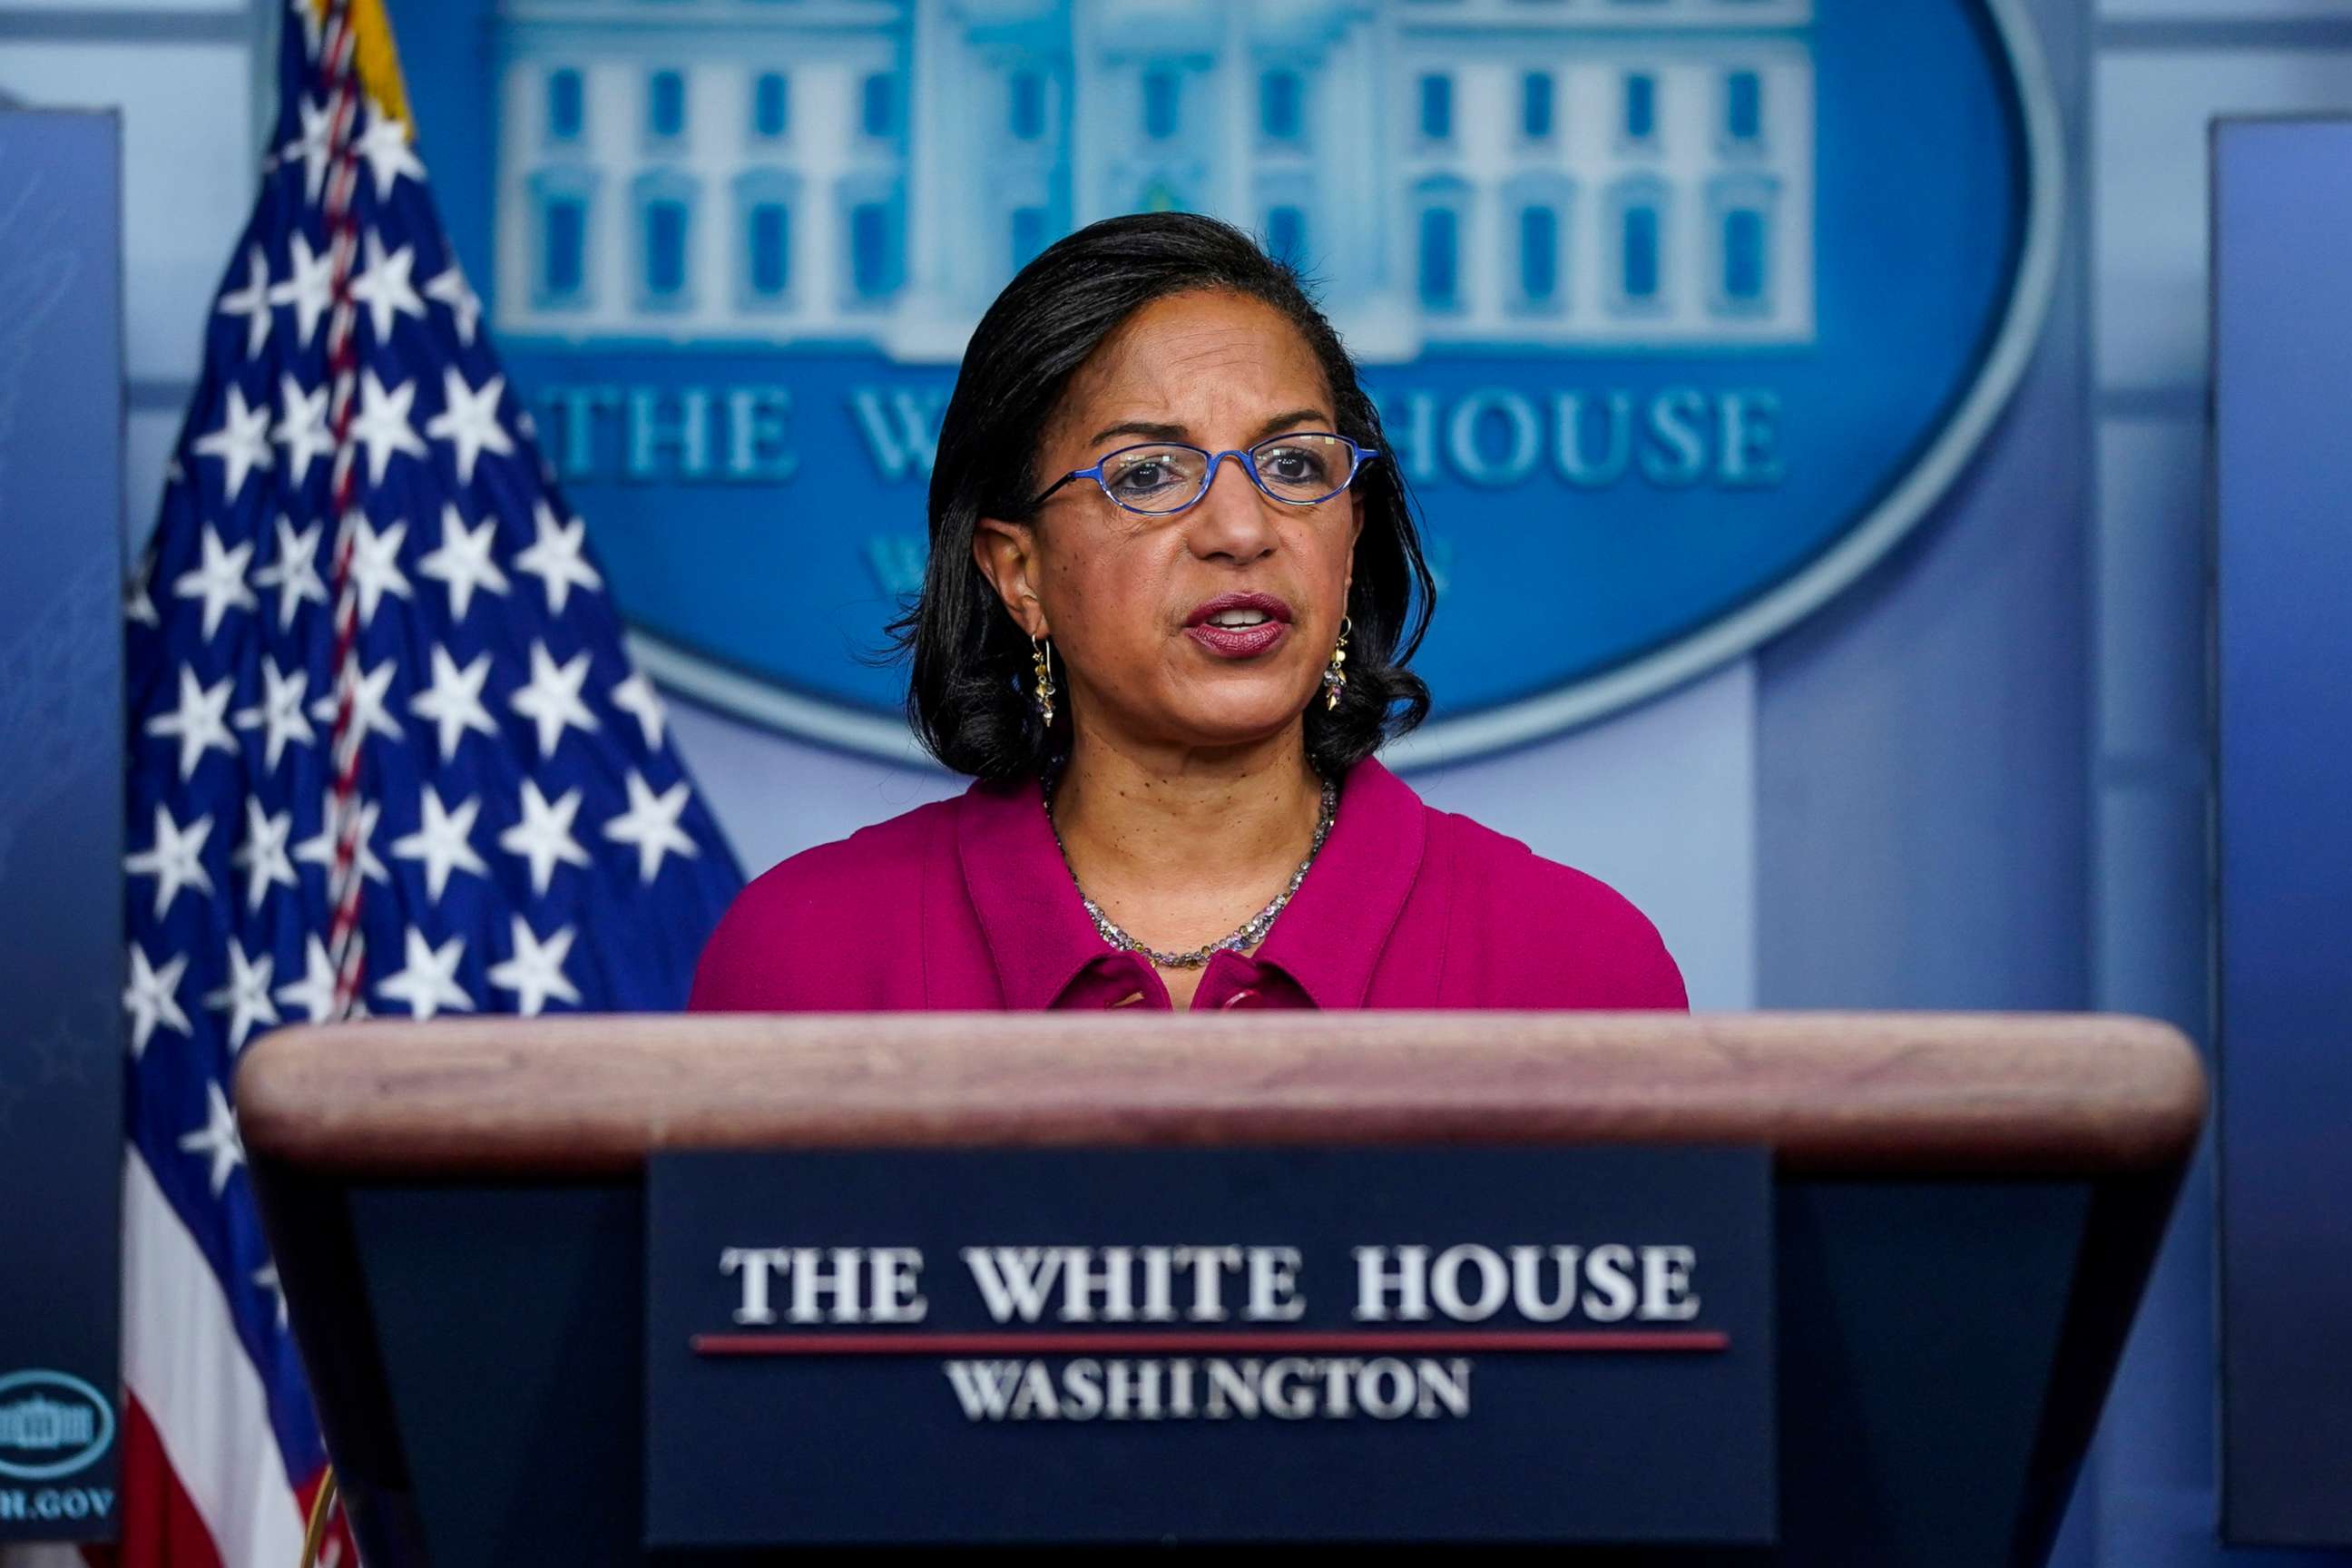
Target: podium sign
x=1565, y=1344
x=62, y=957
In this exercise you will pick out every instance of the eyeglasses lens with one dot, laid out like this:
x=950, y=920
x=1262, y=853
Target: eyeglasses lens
x=1304, y=468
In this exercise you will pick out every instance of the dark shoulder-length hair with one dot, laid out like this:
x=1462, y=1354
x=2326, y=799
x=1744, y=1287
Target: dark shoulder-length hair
x=970, y=661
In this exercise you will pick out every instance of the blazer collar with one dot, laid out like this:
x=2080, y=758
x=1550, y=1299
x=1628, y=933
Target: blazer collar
x=1038, y=934
x=1328, y=938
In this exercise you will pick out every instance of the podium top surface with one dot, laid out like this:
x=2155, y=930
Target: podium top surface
x=1831, y=1093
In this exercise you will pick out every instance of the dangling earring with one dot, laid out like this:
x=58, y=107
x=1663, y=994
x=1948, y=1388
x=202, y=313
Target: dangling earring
x=1334, y=676
x=1041, y=655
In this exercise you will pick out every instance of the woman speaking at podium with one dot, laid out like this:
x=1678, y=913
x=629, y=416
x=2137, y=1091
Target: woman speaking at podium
x=1167, y=676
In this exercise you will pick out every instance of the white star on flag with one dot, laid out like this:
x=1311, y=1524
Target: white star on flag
x=375, y=565
x=266, y=1277
x=449, y=287
x=280, y=711
x=636, y=696
x=555, y=557
x=245, y=997
x=383, y=424
x=201, y=721
x=469, y=420
x=150, y=997
x=383, y=288
x=175, y=859
x=262, y=856
x=241, y=441
x=367, y=693
x=311, y=148
x=217, y=1139
x=543, y=837
x=464, y=562
x=454, y=701
x=385, y=147
x=301, y=427
x=138, y=605
x=552, y=698
x=535, y=972
x=429, y=983
x=320, y=848
x=309, y=287
x=252, y=302
x=306, y=13
x=651, y=824
x=219, y=582
x=315, y=991
x=441, y=842
x=295, y=572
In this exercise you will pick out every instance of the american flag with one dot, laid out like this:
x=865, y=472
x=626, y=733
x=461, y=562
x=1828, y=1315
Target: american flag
x=387, y=755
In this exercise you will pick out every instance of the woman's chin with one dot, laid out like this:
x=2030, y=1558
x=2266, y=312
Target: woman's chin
x=1232, y=716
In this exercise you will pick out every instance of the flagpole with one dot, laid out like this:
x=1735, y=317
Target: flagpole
x=323, y=1508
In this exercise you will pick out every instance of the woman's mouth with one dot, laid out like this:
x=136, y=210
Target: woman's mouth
x=1239, y=626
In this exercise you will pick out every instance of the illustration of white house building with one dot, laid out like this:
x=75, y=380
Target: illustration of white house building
x=870, y=172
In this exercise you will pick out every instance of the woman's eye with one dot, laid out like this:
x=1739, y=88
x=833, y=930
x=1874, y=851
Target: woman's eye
x=1293, y=463
x=1143, y=476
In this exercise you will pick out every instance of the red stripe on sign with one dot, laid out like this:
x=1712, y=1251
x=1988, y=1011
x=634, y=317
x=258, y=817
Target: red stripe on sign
x=1492, y=1341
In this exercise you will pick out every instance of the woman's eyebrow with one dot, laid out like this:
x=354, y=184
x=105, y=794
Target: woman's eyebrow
x=1181, y=433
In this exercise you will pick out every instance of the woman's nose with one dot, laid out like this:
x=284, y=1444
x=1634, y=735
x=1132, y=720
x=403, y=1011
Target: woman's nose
x=1233, y=518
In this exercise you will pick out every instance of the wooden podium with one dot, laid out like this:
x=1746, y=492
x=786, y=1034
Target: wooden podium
x=1965, y=1207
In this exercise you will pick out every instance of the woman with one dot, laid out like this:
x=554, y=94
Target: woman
x=1168, y=678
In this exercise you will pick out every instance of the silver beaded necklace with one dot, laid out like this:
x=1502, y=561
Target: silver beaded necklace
x=1252, y=930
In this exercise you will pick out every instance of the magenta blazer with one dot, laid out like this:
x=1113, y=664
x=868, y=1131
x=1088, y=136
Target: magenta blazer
x=966, y=904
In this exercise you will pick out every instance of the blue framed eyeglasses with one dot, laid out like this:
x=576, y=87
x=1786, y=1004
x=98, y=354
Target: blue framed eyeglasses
x=1160, y=477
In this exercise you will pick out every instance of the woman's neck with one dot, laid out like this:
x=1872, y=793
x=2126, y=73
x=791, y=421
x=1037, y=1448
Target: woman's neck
x=1183, y=840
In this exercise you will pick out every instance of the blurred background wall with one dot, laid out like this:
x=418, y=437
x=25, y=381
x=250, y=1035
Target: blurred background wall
x=1976, y=778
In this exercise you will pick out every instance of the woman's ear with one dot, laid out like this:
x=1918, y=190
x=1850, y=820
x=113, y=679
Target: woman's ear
x=1006, y=554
